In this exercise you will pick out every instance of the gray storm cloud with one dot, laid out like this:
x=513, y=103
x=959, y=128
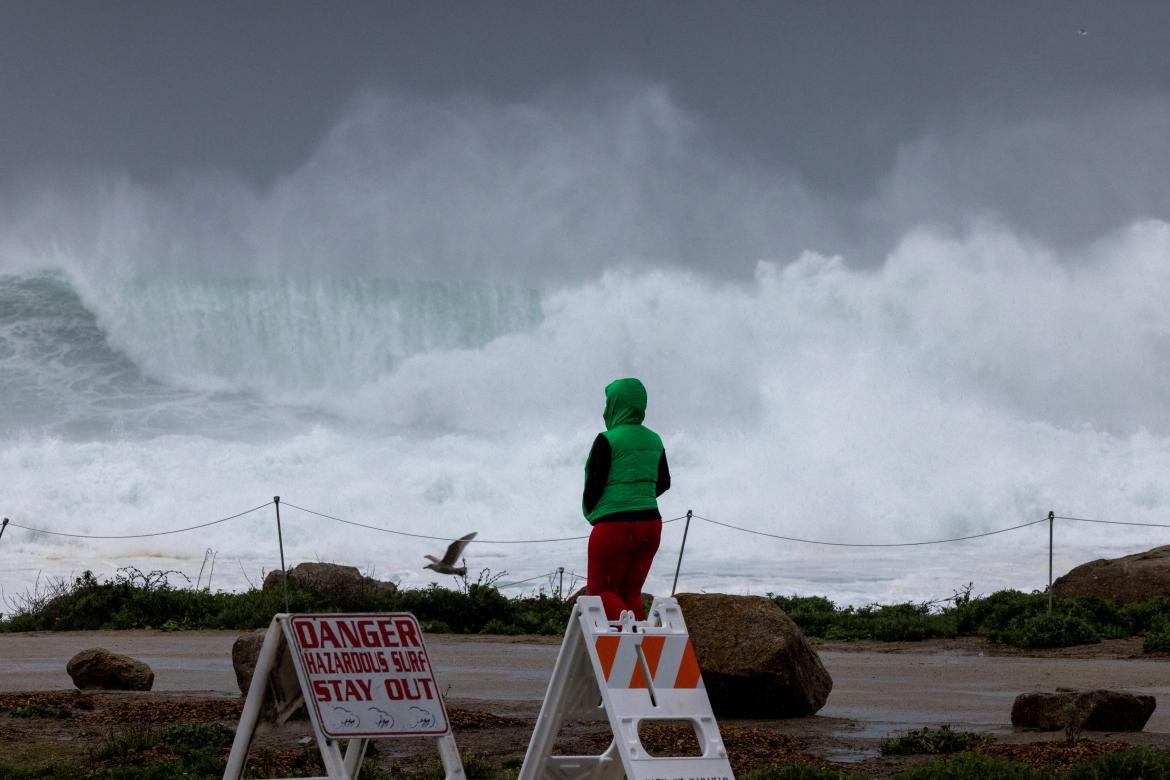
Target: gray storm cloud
x=565, y=187
x=1067, y=176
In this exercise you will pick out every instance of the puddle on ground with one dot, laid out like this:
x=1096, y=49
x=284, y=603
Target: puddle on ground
x=845, y=754
x=850, y=742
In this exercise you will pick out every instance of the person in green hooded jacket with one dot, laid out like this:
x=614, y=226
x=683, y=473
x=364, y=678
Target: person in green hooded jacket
x=625, y=473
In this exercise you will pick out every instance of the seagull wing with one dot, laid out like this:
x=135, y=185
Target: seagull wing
x=455, y=549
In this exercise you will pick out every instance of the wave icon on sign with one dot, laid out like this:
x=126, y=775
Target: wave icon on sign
x=348, y=719
x=384, y=719
x=423, y=719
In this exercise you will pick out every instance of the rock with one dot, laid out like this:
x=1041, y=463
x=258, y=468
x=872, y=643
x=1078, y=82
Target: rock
x=282, y=700
x=98, y=668
x=755, y=661
x=1124, y=580
x=331, y=579
x=1097, y=710
x=245, y=651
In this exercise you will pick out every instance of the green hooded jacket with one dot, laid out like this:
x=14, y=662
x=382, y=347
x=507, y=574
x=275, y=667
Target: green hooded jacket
x=635, y=453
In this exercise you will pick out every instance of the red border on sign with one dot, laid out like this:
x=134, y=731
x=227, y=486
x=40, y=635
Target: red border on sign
x=296, y=650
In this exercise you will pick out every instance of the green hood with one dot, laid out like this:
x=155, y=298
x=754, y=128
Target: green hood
x=625, y=403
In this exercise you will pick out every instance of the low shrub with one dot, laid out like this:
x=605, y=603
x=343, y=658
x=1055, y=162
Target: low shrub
x=817, y=616
x=57, y=772
x=814, y=614
x=976, y=766
x=500, y=627
x=1157, y=638
x=932, y=742
x=134, y=599
x=984, y=616
x=119, y=744
x=189, y=737
x=1048, y=630
x=1146, y=615
x=137, y=600
x=1008, y=616
x=1135, y=764
x=797, y=772
x=38, y=711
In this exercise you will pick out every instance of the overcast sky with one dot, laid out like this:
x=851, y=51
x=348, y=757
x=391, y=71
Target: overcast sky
x=852, y=99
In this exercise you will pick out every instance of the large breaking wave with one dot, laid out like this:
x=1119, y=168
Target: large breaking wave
x=158, y=373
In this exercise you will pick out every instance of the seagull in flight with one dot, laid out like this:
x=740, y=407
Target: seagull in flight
x=1082, y=32
x=454, y=550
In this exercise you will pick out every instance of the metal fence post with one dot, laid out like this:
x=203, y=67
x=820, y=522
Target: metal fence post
x=280, y=541
x=680, y=552
x=1052, y=520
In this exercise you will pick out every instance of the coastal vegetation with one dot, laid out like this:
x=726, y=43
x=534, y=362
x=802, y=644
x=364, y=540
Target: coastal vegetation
x=1009, y=617
x=134, y=599
x=137, y=600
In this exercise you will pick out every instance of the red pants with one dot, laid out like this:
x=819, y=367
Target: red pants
x=620, y=555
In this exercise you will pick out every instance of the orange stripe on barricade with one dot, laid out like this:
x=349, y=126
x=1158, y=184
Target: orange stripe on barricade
x=652, y=650
x=607, y=648
x=637, y=679
x=688, y=668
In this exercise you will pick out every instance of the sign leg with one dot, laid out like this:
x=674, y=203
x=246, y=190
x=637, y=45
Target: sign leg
x=449, y=755
x=355, y=754
x=331, y=757
x=253, y=704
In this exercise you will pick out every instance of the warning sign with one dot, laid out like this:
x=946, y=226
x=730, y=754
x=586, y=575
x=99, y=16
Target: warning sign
x=367, y=675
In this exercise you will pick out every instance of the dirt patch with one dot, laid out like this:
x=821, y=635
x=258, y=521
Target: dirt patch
x=68, y=726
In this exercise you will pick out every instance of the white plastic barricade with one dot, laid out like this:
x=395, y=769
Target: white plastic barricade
x=360, y=676
x=627, y=672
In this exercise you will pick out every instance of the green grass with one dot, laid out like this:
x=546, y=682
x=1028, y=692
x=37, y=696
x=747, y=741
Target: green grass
x=974, y=766
x=797, y=772
x=38, y=711
x=195, y=762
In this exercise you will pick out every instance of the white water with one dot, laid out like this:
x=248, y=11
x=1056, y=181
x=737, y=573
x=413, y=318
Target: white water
x=973, y=380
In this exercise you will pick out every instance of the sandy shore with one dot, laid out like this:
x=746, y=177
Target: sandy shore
x=880, y=687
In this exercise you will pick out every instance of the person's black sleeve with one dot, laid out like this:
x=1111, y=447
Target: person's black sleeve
x=596, y=473
x=663, y=475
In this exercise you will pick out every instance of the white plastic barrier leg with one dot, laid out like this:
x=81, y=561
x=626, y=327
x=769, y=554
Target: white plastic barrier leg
x=626, y=672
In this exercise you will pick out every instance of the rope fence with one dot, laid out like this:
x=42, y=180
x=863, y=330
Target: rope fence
x=560, y=571
x=8, y=522
x=868, y=544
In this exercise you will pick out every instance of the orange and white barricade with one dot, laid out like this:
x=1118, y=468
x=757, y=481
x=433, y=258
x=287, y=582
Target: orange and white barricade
x=627, y=672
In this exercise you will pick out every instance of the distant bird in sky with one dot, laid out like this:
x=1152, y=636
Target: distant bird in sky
x=454, y=550
x=1082, y=31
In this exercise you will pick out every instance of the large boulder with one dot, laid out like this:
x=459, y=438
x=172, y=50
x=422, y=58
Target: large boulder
x=1096, y=710
x=245, y=651
x=98, y=668
x=332, y=580
x=754, y=660
x=283, y=700
x=1125, y=580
